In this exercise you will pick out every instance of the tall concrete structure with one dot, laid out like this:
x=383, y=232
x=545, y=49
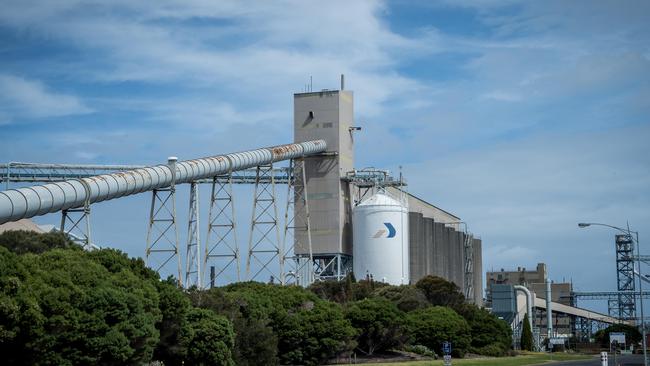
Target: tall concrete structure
x=330, y=115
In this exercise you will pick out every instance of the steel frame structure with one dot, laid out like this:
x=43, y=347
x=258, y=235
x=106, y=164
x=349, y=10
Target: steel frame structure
x=193, y=246
x=625, y=276
x=221, y=246
x=297, y=229
x=264, y=244
x=160, y=248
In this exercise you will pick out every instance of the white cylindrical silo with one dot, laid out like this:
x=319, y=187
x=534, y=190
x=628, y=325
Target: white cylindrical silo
x=381, y=239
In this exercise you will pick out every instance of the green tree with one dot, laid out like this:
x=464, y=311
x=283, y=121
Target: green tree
x=441, y=292
x=174, y=307
x=434, y=325
x=491, y=336
x=526, y=342
x=22, y=241
x=379, y=324
x=207, y=338
x=632, y=334
x=313, y=334
x=255, y=341
x=72, y=310
x=406, y=298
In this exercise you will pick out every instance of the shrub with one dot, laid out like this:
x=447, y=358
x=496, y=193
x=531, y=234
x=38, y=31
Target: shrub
x=380, y=325
x=435, y=325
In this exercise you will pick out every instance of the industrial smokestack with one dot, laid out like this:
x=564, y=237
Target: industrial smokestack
x=342, y=82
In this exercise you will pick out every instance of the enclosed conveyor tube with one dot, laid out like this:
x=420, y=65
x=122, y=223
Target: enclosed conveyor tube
x=16, y=204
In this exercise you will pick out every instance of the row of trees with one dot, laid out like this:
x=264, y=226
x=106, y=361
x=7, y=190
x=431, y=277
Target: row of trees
x=62, y=305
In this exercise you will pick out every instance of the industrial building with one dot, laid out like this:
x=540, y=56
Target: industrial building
x=434, y=243
x=512, y=294
x=535, y=281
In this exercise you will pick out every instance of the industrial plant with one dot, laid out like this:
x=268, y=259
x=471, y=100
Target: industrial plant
x=338, y=218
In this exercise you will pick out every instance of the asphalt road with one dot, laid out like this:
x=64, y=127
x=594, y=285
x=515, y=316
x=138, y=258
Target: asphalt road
x=627, y=360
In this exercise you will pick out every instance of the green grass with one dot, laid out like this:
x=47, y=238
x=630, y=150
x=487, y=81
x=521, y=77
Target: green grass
x=528, y=359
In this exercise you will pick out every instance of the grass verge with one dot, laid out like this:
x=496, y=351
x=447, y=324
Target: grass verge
x=522, y=360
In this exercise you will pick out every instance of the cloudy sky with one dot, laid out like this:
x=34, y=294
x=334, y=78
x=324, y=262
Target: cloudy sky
x=522, y=118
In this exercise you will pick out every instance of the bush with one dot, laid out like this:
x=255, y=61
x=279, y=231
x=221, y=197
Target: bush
x=490, y=350
x=435, y=325
x=61, y=307
x=487, y=329
x=421, y=350
x=441, y=292
x=311, y=336
x=379, y=324
x=22, y=241
x=406, y=298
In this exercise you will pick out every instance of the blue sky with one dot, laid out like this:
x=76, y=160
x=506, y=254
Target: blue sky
x=523, y=118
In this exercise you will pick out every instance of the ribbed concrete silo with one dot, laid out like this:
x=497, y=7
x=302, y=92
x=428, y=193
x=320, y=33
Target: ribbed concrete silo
x=381, y=239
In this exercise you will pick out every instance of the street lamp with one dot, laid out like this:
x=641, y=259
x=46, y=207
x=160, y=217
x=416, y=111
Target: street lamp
x=638, y=252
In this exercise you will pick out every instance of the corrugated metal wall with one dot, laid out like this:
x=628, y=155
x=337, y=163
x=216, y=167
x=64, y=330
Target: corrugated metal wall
x=438, y=250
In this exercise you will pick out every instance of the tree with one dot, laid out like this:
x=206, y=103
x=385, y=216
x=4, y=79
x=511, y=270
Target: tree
x=526, y=342
x=632, y=334
x=434, y=325
x=379, y=324
x=65, y=308
x=255, y=341
x=312, y=334
x=22, y=241
x=491, y=336
x=441, y=292
x=207, y=338
x=174, y=307
x=406, y=298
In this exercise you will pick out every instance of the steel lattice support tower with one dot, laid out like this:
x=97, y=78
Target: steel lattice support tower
x=264, y=246
x=297, y=230
x=193, y=252
x=221, y=247
x=468, y=247
x=162, y=250
x=625, y=276
x=75, y=223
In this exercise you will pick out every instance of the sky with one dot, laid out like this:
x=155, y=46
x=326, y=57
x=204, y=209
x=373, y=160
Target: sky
x=522, y=118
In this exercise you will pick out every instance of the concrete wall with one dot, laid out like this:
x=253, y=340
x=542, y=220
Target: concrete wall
x=436, y=249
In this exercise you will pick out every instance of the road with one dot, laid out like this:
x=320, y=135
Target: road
x=627, y=360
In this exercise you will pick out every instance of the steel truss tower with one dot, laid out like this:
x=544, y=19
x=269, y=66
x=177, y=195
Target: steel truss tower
x=297, y=230
x=162, y=251
x=468, y=247
x=193, y=252
x=625, y=276
x=75, y=223
x=264, y=246
x=221, y=247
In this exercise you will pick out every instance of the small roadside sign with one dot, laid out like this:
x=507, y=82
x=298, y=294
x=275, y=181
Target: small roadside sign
x=446, y=348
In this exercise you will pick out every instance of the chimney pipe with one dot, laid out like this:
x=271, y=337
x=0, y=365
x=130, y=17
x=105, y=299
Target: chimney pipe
x=342, y=82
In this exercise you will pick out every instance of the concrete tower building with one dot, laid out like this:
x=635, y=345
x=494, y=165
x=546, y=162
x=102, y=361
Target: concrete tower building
x=327, y=115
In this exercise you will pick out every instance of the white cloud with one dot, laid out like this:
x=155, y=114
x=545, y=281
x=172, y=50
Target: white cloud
x=22, y=98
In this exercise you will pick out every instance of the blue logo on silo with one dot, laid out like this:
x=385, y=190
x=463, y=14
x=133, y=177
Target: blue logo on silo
x=391, y=231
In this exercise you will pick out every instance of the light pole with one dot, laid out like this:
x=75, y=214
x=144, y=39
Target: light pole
x=638, y=260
